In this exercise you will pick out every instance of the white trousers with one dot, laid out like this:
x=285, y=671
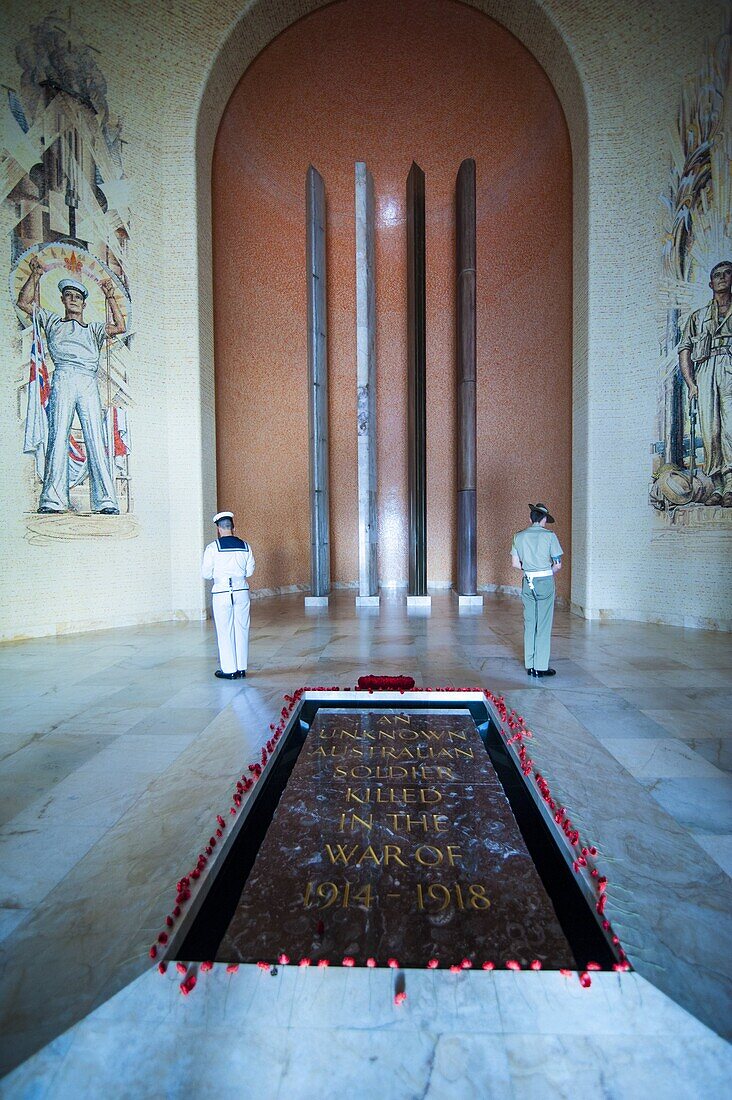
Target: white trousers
x=231, y=616
x=76, y=391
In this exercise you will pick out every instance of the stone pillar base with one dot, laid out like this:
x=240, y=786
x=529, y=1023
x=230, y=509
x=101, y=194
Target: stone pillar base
x=424, y=603
x=367, y=601
x=316, y=601
x=469, y=601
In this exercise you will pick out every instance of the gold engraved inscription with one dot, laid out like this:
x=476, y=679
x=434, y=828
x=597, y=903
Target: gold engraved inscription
x=380, y=795
x=346, y=894
x=355, y=855
x=427, y=855
x=425, y=772
x=395, y=764
x=437, y=896
x=433, y=897
x=403, y=823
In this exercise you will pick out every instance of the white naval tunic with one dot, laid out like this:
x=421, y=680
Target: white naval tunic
x=228, y=562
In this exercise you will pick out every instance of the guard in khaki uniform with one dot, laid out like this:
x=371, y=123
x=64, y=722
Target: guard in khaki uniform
x=537, y=553
x=229, y=562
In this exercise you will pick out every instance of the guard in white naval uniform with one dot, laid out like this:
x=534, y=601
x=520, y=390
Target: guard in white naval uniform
x=229, y=562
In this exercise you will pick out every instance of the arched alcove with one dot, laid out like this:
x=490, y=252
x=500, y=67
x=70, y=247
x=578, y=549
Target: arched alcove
x=512, y=404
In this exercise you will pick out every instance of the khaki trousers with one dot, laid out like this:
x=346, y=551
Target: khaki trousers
x=538, y=616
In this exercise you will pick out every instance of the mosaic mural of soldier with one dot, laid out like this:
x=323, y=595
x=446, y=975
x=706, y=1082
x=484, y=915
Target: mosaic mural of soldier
x=695, y=333
x=75, y=347
x=705, y=360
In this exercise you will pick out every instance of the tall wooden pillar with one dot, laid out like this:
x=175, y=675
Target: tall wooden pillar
x=417, y=392
x=467, y=555
x=368, y=579
x=317, y=389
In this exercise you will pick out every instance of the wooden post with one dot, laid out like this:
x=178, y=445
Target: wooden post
x=467, y=556
x=317, y=390
x=417, y=393
x=368, y=579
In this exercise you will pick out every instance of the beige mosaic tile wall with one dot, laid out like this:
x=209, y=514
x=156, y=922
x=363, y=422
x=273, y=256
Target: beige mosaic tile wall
x=170, y=67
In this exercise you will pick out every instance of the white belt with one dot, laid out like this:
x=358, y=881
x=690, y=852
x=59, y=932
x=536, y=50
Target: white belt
x=539, y=573
x=233, y=584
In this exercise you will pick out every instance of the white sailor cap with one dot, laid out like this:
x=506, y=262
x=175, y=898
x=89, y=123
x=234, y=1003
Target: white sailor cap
x=71, y=284
x=223, y=515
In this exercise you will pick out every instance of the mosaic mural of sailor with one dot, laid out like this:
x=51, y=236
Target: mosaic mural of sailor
x=65, y=204
x=75, y=346
x=692, y=466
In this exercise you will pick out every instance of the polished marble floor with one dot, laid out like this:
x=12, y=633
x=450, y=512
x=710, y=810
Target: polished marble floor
x=118, y=746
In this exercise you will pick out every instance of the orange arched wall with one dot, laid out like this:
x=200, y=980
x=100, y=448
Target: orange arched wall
x=434, y=81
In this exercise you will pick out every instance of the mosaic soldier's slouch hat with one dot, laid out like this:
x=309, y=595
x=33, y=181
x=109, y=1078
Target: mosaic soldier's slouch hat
x=676, y=485
x=543, y=509
x=71, y=284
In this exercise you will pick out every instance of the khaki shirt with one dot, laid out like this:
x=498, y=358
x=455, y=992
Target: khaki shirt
x=536, y=548
x=706, y=333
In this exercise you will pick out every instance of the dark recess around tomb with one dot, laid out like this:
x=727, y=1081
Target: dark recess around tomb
x=573, y=912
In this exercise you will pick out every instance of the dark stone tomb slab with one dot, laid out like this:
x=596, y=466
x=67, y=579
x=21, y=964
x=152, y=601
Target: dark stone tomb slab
x=394, y=839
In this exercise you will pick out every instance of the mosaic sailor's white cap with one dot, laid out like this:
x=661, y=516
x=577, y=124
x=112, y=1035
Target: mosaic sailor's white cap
x=223, y=515
x=71, y=284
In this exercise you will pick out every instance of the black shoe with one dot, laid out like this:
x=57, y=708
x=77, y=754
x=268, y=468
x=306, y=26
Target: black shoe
x=50, y=511
x=530, y=672
x=545, y=672
x=225, y=675
x=109, y=511
x=241, y=674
